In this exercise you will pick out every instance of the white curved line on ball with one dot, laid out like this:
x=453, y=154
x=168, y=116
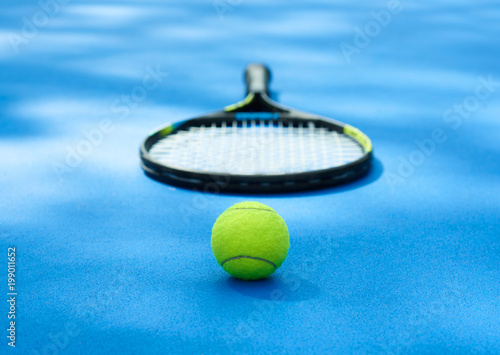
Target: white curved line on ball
x=249, y=257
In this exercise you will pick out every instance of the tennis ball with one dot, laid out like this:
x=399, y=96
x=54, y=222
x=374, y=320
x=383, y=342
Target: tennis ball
x=250, y=240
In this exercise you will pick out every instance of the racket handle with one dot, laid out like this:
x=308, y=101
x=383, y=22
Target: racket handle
x=257, y=77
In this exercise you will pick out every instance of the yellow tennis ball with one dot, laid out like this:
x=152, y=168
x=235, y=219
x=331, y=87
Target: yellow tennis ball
x=250, y=240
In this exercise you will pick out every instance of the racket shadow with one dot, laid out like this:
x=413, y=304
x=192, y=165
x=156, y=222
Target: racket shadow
x=375, y=173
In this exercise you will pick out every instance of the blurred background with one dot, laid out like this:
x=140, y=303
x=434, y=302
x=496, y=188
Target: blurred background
x=67, y=65
x=83, y=82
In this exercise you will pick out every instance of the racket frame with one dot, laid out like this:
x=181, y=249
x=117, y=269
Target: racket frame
x=257, y=104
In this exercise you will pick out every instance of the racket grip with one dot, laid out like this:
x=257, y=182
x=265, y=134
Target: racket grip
x=257, y=77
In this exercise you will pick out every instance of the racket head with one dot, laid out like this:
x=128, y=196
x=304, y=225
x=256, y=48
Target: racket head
x=256, y=146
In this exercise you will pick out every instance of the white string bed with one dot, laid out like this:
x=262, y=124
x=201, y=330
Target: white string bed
x=256, y=148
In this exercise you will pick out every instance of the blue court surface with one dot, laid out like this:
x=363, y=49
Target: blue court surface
x=109, y=261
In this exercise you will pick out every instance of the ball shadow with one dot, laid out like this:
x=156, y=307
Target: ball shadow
x=275, y=288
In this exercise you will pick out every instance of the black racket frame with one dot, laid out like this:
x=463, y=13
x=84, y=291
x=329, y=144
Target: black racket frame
x=257, y=101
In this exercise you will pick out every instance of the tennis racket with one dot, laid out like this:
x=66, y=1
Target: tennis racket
x=256, y=146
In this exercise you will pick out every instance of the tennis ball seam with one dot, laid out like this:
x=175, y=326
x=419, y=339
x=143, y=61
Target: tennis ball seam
x=250, y=257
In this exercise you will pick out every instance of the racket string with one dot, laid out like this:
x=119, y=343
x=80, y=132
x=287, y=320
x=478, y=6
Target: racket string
x=256, y=148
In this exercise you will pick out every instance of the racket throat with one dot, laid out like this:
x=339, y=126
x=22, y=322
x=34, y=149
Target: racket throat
x=257, y=102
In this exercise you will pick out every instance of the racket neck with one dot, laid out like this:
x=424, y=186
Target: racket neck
x=261, y=103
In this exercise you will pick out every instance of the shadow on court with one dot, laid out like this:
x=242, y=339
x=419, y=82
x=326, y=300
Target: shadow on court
x=281, y=287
